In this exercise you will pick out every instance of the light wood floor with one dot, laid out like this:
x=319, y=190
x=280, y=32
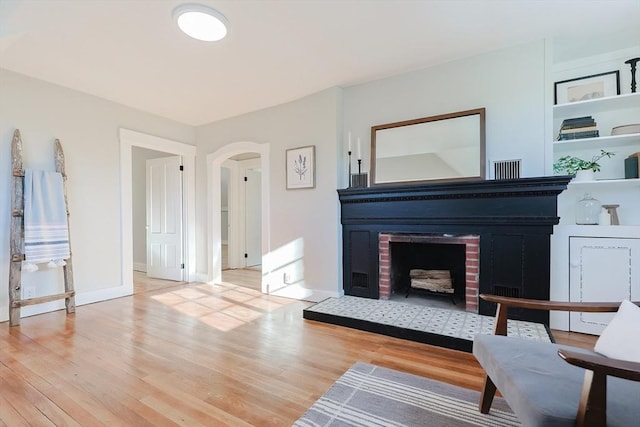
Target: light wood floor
x=245, y=277
x=192, y=354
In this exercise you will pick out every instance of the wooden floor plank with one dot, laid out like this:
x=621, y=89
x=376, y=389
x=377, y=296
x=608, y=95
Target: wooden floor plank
x=9, y=415
x=195, y=354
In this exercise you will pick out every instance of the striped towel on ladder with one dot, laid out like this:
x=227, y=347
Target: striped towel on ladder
x=46, y=231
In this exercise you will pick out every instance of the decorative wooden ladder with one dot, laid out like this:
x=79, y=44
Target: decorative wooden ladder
x=17, y=238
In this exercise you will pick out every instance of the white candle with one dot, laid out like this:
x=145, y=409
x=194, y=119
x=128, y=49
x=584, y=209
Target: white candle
x=349, y=141
x=359, y=150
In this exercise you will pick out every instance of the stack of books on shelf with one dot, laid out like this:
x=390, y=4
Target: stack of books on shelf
x=577, y=128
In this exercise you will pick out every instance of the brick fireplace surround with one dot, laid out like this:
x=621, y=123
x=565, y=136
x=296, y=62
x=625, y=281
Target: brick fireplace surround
x=472, y=261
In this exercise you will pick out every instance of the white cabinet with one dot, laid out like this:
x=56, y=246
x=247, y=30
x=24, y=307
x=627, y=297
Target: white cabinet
x=595, y=272
x=601, y=269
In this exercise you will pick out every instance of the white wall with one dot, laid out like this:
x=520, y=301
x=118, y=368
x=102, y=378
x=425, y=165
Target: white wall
x=88, y=129
x=304, y=224
x=139, y=192
x=509, y=83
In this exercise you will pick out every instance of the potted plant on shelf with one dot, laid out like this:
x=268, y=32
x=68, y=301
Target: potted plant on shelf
x=582, y=169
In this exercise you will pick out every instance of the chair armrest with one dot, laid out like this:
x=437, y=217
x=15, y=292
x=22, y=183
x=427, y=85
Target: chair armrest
x=535, y=304
x=500, y=326
x=602, y=365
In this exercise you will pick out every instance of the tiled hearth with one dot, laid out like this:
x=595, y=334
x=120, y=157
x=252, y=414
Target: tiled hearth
x=430, y=325
x=472, y=261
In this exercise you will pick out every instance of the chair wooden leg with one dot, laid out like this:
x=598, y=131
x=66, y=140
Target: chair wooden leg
x=488, y=392
x=592, y=410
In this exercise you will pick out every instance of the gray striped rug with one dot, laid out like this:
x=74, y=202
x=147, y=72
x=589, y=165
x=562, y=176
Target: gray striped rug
x=369, y=395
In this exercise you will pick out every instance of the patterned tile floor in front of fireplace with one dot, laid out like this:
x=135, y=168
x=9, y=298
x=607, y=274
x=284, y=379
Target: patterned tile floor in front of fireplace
x=453, y=323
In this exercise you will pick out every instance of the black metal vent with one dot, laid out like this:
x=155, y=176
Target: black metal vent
x=506, y=291
x=359, y=280
x=507, y=169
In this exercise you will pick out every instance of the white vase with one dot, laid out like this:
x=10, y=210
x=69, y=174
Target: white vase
x=584, y=175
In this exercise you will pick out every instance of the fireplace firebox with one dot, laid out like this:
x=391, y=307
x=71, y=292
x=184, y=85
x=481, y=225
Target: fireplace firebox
x=512, y=221
x=402, y=253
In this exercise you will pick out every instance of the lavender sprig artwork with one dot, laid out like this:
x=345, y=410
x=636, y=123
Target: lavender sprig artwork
x=300, y=167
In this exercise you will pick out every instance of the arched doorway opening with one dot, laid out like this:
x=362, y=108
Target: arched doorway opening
x=215, y=164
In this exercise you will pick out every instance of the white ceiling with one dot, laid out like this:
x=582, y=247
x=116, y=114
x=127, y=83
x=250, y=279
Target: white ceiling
x=130, y=51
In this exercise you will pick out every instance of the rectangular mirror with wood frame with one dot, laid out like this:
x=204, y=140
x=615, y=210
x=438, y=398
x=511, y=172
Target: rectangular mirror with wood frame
x=447, y=147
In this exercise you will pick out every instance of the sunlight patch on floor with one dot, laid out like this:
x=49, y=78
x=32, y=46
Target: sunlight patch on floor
x=223, y=306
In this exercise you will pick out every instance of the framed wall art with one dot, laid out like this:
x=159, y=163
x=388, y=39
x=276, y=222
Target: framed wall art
x=301, y=167
x=588, y=87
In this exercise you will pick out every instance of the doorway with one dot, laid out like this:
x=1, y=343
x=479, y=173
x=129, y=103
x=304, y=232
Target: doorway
x=250, y=160
x=158, y=243
x=184, y=213
x=250, y=211
x=241, y=220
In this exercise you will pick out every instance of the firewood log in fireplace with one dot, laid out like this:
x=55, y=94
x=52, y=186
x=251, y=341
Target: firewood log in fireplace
x=432, y=280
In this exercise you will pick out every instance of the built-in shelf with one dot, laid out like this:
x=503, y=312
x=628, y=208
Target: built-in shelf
x=601, y=142
x=629, y=231
x=587, y=108
x=617, y=182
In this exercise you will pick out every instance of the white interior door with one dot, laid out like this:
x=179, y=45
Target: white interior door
x=253, y=217
x=164, y=218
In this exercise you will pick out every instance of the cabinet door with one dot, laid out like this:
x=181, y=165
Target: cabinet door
x=361, y=263
x=601, y=269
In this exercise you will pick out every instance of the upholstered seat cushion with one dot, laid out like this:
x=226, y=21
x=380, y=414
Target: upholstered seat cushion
x=544, y=390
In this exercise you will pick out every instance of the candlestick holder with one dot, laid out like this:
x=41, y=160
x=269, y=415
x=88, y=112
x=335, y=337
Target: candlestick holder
x=360, y=179
x=632, y=62
x=349, y=173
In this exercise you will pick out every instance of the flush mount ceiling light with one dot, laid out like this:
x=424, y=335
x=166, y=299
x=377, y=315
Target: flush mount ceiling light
x=201, y=22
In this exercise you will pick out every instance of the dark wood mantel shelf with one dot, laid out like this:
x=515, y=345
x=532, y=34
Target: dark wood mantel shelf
x=514, y=219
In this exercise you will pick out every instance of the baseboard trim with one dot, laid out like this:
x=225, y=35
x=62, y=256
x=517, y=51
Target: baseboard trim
x=81, y=299
x=103, y=295
x=303, y=294
x=199, y=277
x=140, y=266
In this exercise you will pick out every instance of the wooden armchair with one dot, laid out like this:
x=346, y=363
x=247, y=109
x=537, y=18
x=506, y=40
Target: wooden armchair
x=542, y=389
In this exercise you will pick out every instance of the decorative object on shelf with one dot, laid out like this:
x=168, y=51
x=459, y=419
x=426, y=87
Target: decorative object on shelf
x=584, y=175
x=349, y=154
x=301, y=167
x=625, y=129
x=578, y=128
x=632, y=62
x=360, y=179
x=572, y=165
x=587, y=210
x=605, y=217
x=588, y=87
x=632, y=166
x=612, y=210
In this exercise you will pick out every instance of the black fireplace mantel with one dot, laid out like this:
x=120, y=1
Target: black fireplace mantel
x=514, y=219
